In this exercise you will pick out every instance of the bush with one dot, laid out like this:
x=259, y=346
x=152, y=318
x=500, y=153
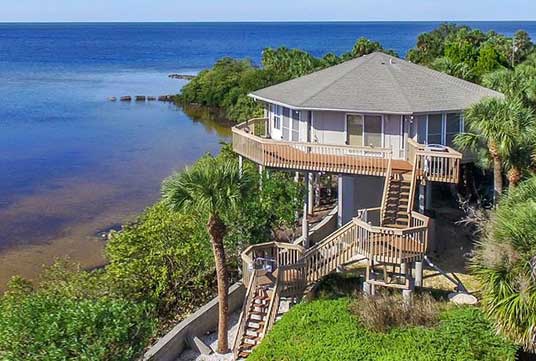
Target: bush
x=505, y=265
x=48, y=325
x=164, y=258
x=326, y=330
x=387, y=311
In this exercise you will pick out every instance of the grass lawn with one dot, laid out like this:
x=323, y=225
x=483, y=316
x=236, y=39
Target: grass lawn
x=326, y=330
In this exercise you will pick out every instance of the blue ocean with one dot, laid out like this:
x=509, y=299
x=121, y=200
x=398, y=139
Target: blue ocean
x=73, y=164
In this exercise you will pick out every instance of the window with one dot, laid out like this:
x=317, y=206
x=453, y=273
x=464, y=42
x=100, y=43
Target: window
x=276, y=116
x=373, y=131
x=421, y=122
x=435, y=126
x=453, y=127
x=295, y=125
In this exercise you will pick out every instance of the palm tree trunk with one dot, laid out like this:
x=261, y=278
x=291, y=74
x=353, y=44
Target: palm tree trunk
x=497, y=171
x=514, y=177
x=217, y=230
x=497, y=179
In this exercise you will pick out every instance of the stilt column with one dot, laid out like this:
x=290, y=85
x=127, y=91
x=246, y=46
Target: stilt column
x=305, y=223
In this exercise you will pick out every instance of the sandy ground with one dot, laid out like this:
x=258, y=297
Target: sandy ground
x=212, y=341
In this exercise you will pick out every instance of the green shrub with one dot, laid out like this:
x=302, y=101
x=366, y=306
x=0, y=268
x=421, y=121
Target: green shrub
x=326, y=330
x=48, y=325
x=164, y=258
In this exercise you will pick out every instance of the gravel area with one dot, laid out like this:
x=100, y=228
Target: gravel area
x=212, y=341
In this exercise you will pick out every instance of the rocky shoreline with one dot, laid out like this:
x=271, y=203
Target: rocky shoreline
x=143, y=98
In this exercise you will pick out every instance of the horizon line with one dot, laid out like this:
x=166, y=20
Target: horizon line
x=252, y=21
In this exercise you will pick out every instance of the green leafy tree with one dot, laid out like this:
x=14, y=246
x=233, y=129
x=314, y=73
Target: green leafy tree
x=211, y=188
x=163, y=258
x=505, y=264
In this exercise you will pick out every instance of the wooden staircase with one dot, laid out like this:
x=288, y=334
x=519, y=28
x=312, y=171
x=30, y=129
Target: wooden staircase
x=397, y=200
x=256, y=318
x=390, y=238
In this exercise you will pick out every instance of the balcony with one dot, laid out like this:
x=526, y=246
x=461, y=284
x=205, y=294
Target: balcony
x=251, y=141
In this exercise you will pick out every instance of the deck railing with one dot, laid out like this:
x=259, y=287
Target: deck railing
x=250, y=142
x=392, y=245
x=271, y=254
x=298, y=269
x=441, y=165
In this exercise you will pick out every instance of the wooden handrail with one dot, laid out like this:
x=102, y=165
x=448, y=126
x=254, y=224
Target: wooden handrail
x=386, y=190
x=244, y=313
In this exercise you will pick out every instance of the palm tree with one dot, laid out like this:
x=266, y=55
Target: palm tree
x=505, y=265
x=503, y=128
x=212, y=188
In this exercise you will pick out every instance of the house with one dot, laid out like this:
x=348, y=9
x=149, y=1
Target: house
x=385, y=126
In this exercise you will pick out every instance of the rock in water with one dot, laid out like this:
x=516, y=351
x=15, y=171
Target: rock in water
x=127, y=98
x=151, y=99
x=140, y=98
x=112, y=99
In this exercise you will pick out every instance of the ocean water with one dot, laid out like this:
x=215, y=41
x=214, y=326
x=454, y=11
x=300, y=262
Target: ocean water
x=73, y=164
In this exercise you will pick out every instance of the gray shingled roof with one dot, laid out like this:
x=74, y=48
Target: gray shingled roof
x=376, y=83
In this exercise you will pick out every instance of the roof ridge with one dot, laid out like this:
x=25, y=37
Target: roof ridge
x=364, y=59
x=400, y=90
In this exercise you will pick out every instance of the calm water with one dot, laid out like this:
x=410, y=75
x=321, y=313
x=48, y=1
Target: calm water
x=73, y=164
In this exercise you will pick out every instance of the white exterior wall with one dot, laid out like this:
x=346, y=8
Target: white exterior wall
x=329, y=127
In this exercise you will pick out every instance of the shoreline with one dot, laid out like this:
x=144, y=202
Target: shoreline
x=81, y=240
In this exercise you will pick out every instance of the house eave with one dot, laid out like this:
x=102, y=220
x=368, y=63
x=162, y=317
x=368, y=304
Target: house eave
x=326, y=109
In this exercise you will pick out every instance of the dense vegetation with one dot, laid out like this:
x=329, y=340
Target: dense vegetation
x=505, y=264
x=469, y=53
x=71, y=315
x=326, y=330
x=227, y=84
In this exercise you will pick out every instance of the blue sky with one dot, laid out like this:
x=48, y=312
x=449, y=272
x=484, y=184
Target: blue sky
x=272, y=10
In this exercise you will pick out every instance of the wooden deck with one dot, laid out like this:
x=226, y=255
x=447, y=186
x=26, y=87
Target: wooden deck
x=249, y=140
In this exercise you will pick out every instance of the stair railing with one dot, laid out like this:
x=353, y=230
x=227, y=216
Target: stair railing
x=412, y=187
x=273, y=308
x=386, y=186
x=244, y=315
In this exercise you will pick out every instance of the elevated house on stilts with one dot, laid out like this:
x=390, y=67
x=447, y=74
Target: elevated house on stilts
x=385, y=127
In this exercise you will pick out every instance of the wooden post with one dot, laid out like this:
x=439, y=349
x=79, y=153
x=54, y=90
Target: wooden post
x=422, y=197
x=317, y=189
x=310, y=194
x=305, y=224
x=418, y=274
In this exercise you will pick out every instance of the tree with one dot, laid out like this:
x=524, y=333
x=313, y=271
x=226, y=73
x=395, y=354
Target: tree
x=501, y=127
x=518, y=83
x=211, y=188
x=505, y=265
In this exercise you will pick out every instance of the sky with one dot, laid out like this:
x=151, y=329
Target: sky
x=272, y=10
